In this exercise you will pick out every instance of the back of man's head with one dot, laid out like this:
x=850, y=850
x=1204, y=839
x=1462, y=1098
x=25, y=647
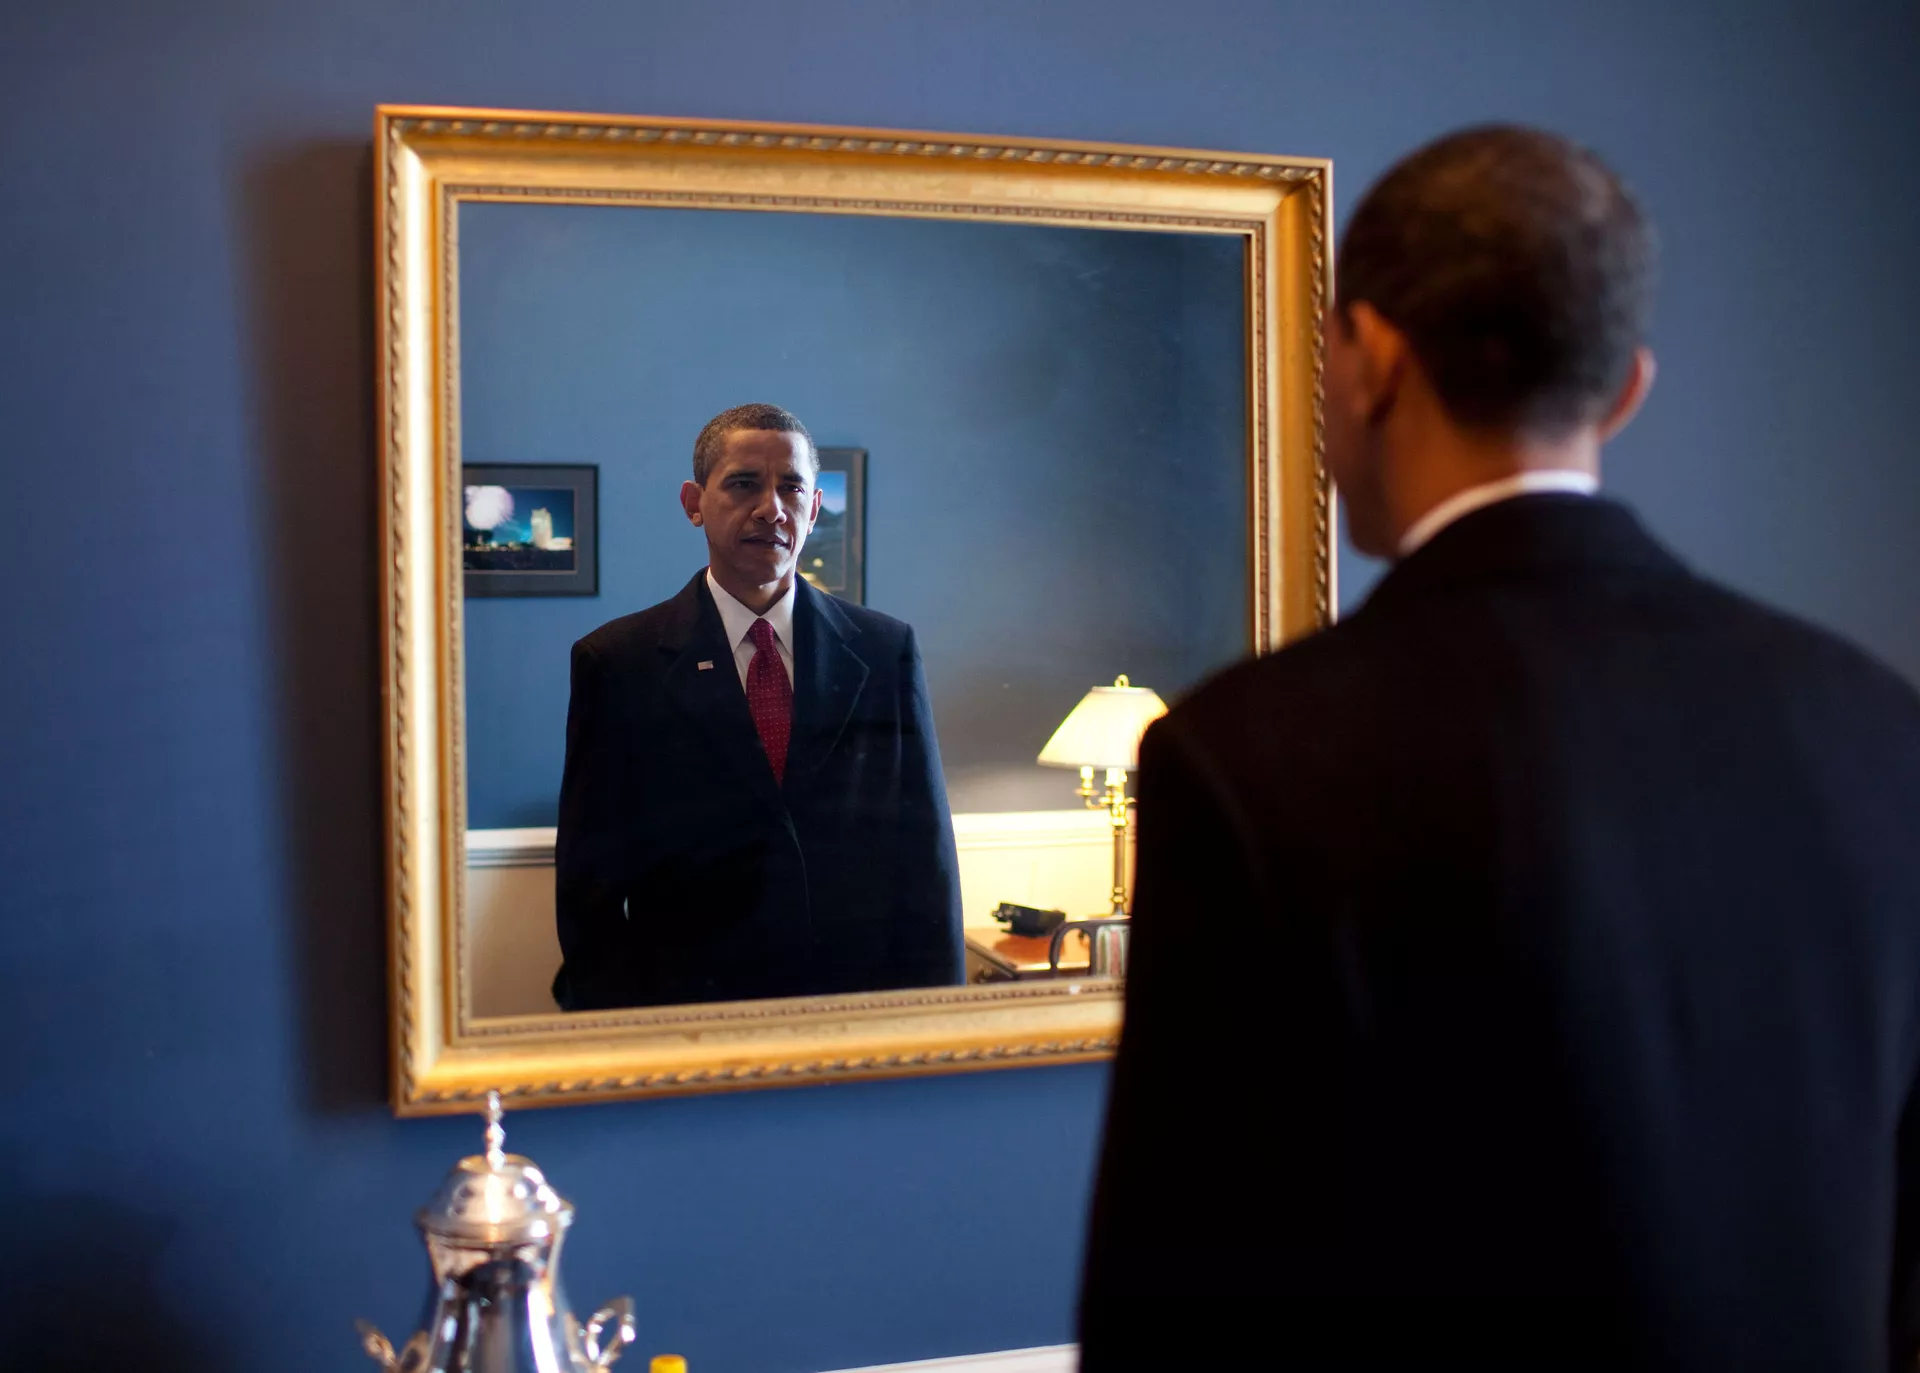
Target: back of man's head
x=712, y=439
x=1519, y=269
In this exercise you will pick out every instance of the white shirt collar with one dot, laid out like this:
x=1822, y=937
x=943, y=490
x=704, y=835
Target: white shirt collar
x=1462, y=503
x=739, y=620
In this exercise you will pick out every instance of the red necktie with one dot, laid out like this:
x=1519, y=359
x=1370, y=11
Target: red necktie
x=770, y=697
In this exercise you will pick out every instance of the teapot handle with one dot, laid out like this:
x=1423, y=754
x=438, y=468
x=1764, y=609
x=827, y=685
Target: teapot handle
x=1059, y=938
x=380, y=1350
x=618, y=1313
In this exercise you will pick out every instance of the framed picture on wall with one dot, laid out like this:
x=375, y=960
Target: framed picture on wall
x=530, y=529
x=834, y=557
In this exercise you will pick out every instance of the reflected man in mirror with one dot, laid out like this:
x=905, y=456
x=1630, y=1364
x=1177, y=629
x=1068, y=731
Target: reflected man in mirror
x=1526, y=970
x=752, y=804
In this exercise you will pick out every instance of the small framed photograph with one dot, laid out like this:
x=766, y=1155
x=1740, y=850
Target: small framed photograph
x=530, y=529
x=834, y=558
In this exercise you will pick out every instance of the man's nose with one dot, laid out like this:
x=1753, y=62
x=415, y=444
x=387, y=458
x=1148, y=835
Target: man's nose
x=769, y=510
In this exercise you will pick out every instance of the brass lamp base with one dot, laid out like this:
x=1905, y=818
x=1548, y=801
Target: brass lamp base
x=1118, y=805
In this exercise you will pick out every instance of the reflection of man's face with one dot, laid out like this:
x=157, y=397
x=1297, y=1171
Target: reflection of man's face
x=757, y=507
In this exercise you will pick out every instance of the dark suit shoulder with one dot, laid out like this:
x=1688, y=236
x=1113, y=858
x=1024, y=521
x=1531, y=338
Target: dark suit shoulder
x=645, y=630
x=875, y=622
x=1360, y=678
x=630, y=633
x=1804, y=647
x=1312, y=712
x=864, y=621
x=1316, y=665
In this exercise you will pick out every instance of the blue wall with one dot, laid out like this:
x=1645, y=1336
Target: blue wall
x=1054, y=418
x=193, y=1147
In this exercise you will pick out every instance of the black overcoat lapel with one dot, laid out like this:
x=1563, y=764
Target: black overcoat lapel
x=828, y=677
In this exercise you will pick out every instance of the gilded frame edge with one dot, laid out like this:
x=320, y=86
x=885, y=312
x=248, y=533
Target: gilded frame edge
x=440, y=1060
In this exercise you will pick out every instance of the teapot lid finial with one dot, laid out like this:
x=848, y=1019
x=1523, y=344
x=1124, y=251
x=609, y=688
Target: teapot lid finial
x=496, y=1133
x=495, y=1197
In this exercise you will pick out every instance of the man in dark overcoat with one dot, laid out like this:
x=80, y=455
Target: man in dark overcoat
x=1526, y=970
x=752, y=803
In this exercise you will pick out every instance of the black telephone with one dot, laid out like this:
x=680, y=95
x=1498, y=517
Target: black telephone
x=1028, y=921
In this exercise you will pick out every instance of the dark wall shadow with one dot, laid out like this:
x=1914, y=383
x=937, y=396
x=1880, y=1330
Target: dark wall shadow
x=83, y=1298
x=306, y=267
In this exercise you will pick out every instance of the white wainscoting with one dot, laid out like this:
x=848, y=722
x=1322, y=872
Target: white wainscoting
x=1058, y=860
x=1051, y=1358
x=513, y=947
x=1054, y=859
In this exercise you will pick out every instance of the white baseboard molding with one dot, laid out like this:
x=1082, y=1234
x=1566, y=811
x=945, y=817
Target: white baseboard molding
x=523, y=848
x=1050, y=1358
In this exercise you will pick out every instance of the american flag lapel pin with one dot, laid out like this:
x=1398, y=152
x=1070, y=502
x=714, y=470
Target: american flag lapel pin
x=704, y=665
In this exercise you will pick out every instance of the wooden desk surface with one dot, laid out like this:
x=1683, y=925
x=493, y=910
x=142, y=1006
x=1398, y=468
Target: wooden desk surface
x=1018, y=956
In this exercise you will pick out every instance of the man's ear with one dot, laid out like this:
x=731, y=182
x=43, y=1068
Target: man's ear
x=814, y=518
x=1627, y=404
x=690, y=501
x=1383, y=356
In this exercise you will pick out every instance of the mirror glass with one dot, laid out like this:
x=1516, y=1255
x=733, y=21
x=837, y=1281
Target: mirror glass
x=1035, y=454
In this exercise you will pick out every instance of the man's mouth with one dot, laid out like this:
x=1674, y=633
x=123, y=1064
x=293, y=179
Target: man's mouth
x=767, y=541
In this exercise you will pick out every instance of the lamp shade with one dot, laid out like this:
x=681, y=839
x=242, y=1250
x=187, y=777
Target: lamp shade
x=1104, y=730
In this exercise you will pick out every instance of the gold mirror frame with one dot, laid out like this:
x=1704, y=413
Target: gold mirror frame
x=432, y=159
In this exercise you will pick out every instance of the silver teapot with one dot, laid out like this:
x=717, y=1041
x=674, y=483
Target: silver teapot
x=1107, y=936
x=493, y=1234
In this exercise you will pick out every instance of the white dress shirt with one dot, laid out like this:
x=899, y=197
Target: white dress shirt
x=739, y=623
x=1462, y=503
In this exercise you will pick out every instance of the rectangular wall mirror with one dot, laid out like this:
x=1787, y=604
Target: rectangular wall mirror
x=1064, y=399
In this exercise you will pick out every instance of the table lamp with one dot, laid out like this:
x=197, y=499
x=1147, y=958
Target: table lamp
x=1104, y=731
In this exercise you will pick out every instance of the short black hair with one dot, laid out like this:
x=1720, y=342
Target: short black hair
x=1519, y=267
x=713, y=436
